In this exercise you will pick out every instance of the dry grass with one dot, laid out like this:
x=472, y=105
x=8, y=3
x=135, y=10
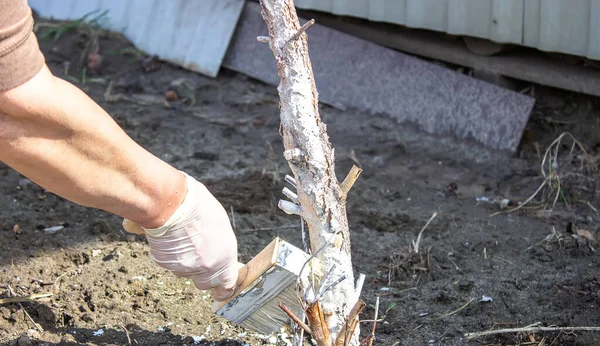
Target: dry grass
x=412, y=262
x=569, y=175
x=579, y=238
x=408, y=264
x=88, y=26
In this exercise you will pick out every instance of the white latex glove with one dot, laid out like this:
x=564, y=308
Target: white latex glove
x=197, y=242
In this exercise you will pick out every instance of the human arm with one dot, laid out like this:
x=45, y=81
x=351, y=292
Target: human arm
x=53, y=133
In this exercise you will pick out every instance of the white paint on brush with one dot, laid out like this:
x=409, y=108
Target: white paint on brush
x=257, y=307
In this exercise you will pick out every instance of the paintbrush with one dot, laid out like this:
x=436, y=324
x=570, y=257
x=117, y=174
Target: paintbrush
x=265, y=281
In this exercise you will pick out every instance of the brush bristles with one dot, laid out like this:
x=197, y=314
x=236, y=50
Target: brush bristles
x=258, y=308
x=269, y=318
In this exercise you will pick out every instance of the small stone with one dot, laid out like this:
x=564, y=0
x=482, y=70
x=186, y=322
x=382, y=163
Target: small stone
x=378, y=161
x=151, y=64
x=68, y=339
x=34, y=334
x=486, y=299
x=94, y=61
x=25, y=340
x=171, y=95
x=24, y=182
x=87, y=318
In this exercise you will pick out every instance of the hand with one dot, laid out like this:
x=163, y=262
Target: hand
x=197, y=242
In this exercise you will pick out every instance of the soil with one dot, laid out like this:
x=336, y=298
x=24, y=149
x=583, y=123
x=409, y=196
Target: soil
x=475, y=271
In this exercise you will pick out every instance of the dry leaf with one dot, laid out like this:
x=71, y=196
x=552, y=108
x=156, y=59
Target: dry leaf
x=586, y=234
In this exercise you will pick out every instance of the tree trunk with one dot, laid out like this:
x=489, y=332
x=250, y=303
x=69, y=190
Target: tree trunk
x=321, y=198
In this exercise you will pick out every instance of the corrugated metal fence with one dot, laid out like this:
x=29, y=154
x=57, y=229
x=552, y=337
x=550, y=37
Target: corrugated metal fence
x=565, y=26
x=198, y=31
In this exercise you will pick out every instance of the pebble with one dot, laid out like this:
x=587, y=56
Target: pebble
x=486, y=299
x=68, y=339
x=34, y=334
x=25, y=340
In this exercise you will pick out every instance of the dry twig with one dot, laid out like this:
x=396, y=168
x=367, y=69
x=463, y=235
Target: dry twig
x=531, y=329
x=457, y=310
x=28, y=298
x=375, y=321
x=350, y=179
x=295, y=318
x=127, y=334
x=37, y=326
x=63, y=275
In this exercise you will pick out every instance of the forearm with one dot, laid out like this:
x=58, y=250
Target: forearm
x=54, y=134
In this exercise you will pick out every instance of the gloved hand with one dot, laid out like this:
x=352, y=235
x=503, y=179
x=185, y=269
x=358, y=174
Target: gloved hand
x=197, y=242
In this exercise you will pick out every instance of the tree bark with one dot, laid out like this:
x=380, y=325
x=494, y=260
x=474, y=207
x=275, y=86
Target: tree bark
x=311, y=159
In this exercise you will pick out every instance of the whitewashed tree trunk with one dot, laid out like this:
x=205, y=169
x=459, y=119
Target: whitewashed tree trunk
x=321, y=197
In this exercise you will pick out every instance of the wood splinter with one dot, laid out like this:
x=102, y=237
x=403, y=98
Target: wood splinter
x=290, y=194
x=290, y=180
x=350, y=179
x=263, y=39
x=289, y=208
x=25, y=299
x=318, y=324
x=344, y=337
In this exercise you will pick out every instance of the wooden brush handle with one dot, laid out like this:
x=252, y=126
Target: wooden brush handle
x=253, y=270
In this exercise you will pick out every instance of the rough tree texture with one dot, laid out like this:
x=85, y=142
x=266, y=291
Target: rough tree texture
x=310, y=157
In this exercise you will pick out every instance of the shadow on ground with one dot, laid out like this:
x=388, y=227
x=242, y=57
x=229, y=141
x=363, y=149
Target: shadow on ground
x=124, y=335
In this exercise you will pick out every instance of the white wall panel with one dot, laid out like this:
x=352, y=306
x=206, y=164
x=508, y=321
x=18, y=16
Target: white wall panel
x=566, y=26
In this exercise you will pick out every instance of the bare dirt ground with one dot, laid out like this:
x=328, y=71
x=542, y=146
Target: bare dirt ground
x=475, y=271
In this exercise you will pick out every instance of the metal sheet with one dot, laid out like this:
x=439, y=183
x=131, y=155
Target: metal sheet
x=571, y=27
x=193, y=34
x=498, y=20
x=562, y=21
x=594, y=31
x=427, y=14
x=376, y=79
